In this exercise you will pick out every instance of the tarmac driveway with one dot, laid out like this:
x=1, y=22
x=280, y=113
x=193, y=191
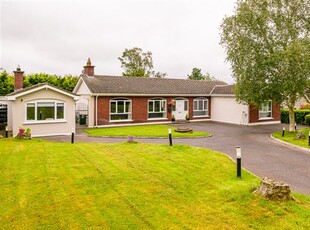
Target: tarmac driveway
x=260, y=154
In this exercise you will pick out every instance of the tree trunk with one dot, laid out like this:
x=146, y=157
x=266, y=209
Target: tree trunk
x=291, y=115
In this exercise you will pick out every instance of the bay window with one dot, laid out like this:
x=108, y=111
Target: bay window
x=45, y=110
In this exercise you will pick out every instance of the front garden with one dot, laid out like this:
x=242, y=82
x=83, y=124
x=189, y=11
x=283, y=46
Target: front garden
x=46, y=185
x=142, y=131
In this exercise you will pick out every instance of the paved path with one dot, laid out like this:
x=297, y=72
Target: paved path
x=260, y=154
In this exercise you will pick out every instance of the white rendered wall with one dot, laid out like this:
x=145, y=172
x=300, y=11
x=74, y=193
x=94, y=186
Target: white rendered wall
x=226, y=109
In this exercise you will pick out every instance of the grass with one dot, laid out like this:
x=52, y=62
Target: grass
x=290, y=137
x=142, y=131
x=47, y=185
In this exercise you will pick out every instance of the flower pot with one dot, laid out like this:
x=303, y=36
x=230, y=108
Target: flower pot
x=21, y=131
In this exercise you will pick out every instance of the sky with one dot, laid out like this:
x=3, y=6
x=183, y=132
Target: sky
x=57, y=37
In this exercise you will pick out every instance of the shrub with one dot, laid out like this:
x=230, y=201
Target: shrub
x=307, y=119
x=299, y=116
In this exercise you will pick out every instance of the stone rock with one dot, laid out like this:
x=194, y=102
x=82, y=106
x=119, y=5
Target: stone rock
x=300, y=135
x=274, y=190
x=1, y=136
x=184, y=130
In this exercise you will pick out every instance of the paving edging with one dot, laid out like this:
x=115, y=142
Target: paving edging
x=290, y=145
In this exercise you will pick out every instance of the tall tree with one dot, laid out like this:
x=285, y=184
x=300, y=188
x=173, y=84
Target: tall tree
x=137, y=63
x=267, y=43
x=6, y=83
x=197, y=75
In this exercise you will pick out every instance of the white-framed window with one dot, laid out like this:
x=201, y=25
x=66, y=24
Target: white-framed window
x=120, y=109
x=45, y=110
x=157, y=108
x=200, y=107
x=265, y=110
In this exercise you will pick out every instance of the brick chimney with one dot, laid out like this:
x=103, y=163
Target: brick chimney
x=89, y=69
x=18, y=79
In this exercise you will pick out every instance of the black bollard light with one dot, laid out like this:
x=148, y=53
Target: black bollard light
x=72, y=136
x=6, y=131
x=170, y=137
x=238, y=153
x=309, y=139
x=295, y=127
x=283, y=131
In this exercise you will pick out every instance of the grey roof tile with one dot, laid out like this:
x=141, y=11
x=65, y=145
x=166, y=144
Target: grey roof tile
x=223, y=90
x=102, y=84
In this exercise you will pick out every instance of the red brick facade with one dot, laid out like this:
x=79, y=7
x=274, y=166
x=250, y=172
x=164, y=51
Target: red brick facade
x=254, y=114
x=139, y=109
x=18, y=79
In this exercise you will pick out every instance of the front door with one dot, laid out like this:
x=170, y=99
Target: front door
x=180, y=109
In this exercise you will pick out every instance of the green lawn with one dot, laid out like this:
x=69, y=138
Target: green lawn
x=290, y=137
x=47, y=185
x=141, y=131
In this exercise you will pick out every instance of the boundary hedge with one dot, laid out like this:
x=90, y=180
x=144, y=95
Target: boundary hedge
x=299, y=116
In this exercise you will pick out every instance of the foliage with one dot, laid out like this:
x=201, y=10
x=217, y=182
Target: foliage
x=290, y=137
x=137, y=63
x=47, y=185
x=307, y=119
x=67, y=82
x=268, y=45
x=298, y=114
x=142, y=131
x=6, y=83
x=197, y=75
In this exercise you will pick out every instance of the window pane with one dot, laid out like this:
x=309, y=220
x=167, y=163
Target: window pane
x=45, y=110
x=157, y=115
x=157, y=106
x=200, y=113
x=60, y=111
x=120, y=117
x=113, y=107
x=150, y=106
x=185, y=105
x=163, y=106
x=200, y=105
x=195, y=105
x=30, y=111
x=205, y=106
x=127, y=107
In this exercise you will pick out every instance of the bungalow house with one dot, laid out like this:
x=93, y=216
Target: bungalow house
x=124, y=100
x=43, y=108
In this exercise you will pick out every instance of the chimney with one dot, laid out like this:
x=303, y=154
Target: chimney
x=18, y=79
x=89, y=69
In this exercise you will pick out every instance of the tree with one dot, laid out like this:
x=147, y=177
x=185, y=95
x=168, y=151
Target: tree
x=197, y=75
x=6, y=83
x=136, y=63
x=67, y=82
x=268, y=45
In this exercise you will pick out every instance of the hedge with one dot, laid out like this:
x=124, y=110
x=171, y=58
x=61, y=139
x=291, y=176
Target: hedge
x=299, y=116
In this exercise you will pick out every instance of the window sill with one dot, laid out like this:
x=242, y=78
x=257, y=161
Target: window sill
x=120, y=121
x=155, y=119
x=44, y=122
x=206, y=116
x=265, y=118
